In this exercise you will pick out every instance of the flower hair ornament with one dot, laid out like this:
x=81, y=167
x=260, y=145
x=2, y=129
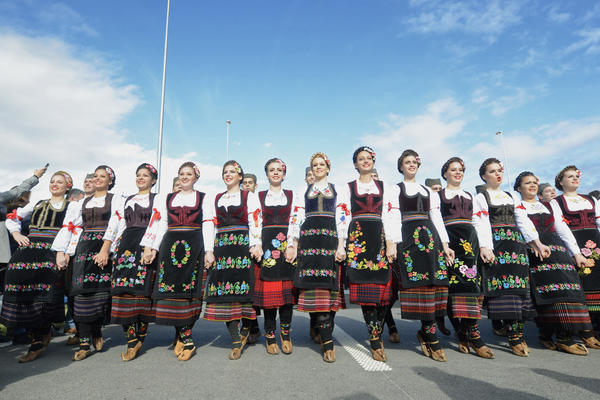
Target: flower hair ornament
x=323, y=156
x=110, y=172
x=150, y=168
x=236, y=167
x=283, y=166
x=501, y=166
x=196, y=171
x=67, y=177
x=578, y=172
x=418, y=160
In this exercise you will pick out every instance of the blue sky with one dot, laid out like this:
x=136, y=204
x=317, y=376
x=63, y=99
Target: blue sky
x=296, y=77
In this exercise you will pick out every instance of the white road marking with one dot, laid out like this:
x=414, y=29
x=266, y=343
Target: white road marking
x=360, y=353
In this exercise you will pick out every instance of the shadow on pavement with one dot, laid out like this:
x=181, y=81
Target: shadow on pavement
x=357, y=396
x=590, y=384
x=463, y=388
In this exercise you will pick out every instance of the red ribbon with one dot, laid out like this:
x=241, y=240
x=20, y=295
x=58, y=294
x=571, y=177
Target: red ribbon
x=566, y=221
x=255, y=215
x=521, y=206
x=213, y=220
x=480, y=213
x=13, y=215
x=297, y=208
x=390, y=207
x=155, y=217
x=119, y=215
x=344, y=208
x=72, y=227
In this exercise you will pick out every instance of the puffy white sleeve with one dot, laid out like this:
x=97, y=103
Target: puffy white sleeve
x=254, y=219
x=116, y=224
x=524, y=224
x=597, y=212
x=436, y=215
x=481, y=222
x=297, y=217
x=208, y=223
x=563, y=231
x=390, y=214
x=13, y=224
x=160, y=223
x=343, y=215
x=66, y=240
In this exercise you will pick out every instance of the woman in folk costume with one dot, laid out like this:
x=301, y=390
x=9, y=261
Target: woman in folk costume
x=555, y=283
x=273, y=281
x=464, y=283
x=34, y=289
x=370, y=251
x=423, y=253
x=317, y=238
x=503, y=229
x=237, y=241
x=132, y=280
x=184, y=233
x=582, y=214
x=84, y=226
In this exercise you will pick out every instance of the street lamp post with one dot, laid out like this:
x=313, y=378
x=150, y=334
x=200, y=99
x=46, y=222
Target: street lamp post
x=506, y=169
x=228, y=123
x=162, y=101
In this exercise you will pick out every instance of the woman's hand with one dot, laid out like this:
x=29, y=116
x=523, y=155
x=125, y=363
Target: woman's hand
x=209, y=259
x=391, y=251
x=101, y=259
x=21, y=239
x=486, y=255
x=540, y=250
x=148, y=256
x=256, y=252
x=62, y=260
x=291, y=253
x=448, y=254
x=340, y=253
x=580, y=260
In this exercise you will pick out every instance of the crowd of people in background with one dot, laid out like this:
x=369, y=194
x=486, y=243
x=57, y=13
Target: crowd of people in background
x=82, y=259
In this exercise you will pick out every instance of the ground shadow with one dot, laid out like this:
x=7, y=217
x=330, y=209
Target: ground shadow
x=590, y=384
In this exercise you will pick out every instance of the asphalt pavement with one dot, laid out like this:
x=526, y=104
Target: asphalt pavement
x=157, y=374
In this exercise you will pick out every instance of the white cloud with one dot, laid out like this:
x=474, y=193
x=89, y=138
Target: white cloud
x=505, y=99
x=268, y=144
x=60, y=108
x=589, y=42
x=65, y=19
x=556, y=16
x=470, y=16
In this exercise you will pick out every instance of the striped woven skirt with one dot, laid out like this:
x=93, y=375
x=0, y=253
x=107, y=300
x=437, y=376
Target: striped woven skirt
x=571, y=317
x=225, y=312
x=31, y=315
x=592, y=299
x=127, y=309
x=373, y=294
x=320, y=300
x=91, y=307
x=510, y=307
x=464, y=307
x=177, y=312
x=271, y=294
x=424, y=303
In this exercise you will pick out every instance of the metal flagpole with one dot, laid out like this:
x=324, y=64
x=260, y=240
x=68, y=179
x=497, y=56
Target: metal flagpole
x=506, y=169
x=162, y=100
x=228, y=122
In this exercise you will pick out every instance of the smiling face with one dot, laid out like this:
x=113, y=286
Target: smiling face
x=454, y=174
x=548, y=194
x=310, y=178
x=493, y=175
x=88, y=186
x=319, y=168
x=58, y=185
x=144, y=179
x=364, y=162
x=231, y=177
x=101, y=180
x=528, y=187
x=275, y=173
x=410, y=166
x=177, y=186
x=187, y=178
x=570, y=181
x=249, y=184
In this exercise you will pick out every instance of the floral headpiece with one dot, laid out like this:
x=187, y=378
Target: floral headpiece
x=578, y=174
x=196, y=171
x=150, y=168
x=236, y=167
x=110, y=172
x=67, y=177
x=418, y=160
x=283, y=166
x=323, y=156
x=501, y=166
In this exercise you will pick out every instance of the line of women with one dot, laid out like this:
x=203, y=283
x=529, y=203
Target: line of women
x=150, y=258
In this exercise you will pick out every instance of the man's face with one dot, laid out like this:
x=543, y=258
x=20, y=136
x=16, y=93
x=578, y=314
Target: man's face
x=88, y=186
x=548, y=193
x=248, y=184
x=436, y=187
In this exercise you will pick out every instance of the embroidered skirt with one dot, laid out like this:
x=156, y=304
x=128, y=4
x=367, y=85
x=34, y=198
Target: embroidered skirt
x=128, y=308
x=129, y=275
x=91, y=307
x=464, y=278
x=511, y=307
x=570, y=317
x=225, y=312
x=87, y=277
x=29, y=315
x=177, y=312
x=424, y=303
x=271, y=294
x=464, y=307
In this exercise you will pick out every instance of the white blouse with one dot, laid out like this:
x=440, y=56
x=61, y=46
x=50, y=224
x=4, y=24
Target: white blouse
x=560, y=226
x=155, y=233
x=388, y=217
x=14, y=225
x=117, y=223
x=299, y=215
x=254, y=214
x=481, y=219
x=65, y=240
x=578, y=203
x=279, y=198
x=412, y=188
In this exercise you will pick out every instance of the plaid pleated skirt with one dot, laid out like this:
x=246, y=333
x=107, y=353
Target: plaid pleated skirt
x=29, y=315
x=465, y=307
x=511, y=307
x=225, y=312
x=128, y=309
x=320, y=300
x=572, y=317
x=271, y=294
x=177, y=312
x=373, y=294
x=424, y=303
